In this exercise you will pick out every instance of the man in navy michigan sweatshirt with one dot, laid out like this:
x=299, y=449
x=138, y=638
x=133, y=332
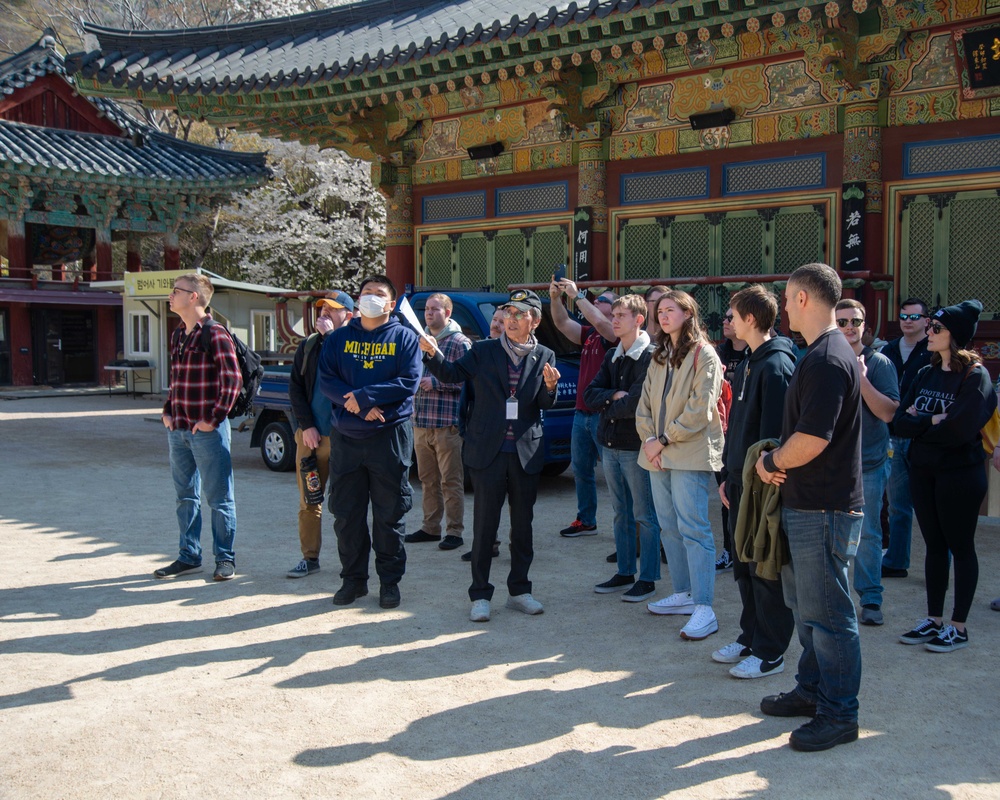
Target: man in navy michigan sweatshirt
x=370, y=370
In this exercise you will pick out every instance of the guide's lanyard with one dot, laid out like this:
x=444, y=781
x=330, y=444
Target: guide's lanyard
x=512, y=407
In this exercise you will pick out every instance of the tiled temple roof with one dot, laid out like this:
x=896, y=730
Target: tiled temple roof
x=41, y=59
x=143, y=156
x=323, y=46
x=145, y=159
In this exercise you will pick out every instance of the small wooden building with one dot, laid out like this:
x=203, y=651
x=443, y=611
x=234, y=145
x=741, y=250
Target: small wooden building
x=77, y=175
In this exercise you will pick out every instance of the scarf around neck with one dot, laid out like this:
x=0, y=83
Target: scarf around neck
x=516, y=352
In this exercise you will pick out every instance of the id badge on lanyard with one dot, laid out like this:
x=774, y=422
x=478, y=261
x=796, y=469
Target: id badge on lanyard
x=511, y=407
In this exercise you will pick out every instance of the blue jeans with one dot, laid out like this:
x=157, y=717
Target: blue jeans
x=202, y=461
x=681, y=500
x=584, y=452
x=632, y=499
x=821, y=544
x=868, y=562
x=900, y=507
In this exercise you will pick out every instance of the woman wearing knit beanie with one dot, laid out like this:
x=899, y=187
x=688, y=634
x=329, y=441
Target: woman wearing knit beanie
x=946, y=406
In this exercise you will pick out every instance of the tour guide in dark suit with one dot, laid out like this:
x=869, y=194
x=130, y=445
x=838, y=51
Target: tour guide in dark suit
x=514, y=378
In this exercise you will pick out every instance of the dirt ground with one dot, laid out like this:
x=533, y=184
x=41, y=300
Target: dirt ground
x=113, y=684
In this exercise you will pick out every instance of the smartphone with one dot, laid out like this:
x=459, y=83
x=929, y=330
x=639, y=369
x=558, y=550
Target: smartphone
x=560, y=272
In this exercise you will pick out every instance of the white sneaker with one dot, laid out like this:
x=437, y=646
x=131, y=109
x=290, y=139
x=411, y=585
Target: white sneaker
x=525, y=603
x=731, y=653
x=701, y=625
x=480, y=611
x=677, y=603
x=754, y=667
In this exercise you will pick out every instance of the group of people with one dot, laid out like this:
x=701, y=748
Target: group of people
x=802, y=454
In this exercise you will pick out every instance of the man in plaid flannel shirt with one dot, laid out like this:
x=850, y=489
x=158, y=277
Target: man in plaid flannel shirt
x=203, y=387
x=436, y=440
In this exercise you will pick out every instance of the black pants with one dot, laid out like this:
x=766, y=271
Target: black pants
x=727, y=536
x=503, y=478
x=946, y=502
x=766, y=623
x=371, y=471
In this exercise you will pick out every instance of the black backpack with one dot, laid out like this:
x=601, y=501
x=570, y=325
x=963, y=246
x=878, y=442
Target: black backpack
x=250, y=369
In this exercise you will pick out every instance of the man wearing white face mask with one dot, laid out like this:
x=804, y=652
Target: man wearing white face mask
x=312, y=412
x=370, y=370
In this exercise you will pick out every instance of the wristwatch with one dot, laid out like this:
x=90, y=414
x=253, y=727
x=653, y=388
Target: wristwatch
x=581, y=295
x=662, y=439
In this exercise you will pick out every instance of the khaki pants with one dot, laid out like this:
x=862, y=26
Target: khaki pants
x=442, y=478
x=311, y=517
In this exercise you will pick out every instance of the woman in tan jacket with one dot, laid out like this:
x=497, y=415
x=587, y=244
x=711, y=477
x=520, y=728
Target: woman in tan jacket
x=679, y=423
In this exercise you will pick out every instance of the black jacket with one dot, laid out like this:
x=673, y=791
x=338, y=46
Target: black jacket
x=616, y=426
x=919, y=358
x=301, y=382
x=759, y=384
x=485, y=365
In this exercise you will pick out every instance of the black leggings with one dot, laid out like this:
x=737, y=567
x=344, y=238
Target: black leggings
x=947, y=503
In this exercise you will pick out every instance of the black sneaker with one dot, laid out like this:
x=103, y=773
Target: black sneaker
x=893, y=572
x=724, y=561
x=641, y=590
x=224, y=571
x=388, y=595
x=175, y=569
x=822, y=733
x=420, y=536
x=925, y=630
x=788, y=704
x=950, y=639
x=616, y=583
x=349, y=592
x=578, y=528
x=613, y=558
x=451, y=542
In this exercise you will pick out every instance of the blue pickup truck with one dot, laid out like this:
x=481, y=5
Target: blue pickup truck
x=274, y=435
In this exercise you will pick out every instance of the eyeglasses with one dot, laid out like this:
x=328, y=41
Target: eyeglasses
x=855, y=322
x=934, y=327
x=727, y=317
x=181, y=289
x=514, y=314
x=605, y=300
x=911, y=317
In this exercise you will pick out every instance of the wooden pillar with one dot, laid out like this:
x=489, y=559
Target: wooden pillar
x=17, y=250
x=88, y=265
x=171, y=251
x=133, y=256
x=103, y=247
x=592, y=156
x=399, y=264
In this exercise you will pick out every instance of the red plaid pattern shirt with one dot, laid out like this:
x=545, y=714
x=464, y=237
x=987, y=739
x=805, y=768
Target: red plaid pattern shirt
x=203, y=386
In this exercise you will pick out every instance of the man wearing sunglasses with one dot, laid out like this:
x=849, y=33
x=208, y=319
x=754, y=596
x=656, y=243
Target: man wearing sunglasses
x=879, y=400
x=908, y=355
x=596, y=338
x=204, y=385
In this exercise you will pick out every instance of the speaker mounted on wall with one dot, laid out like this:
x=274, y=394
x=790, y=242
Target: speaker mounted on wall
x=481, y=151
x=712, y=119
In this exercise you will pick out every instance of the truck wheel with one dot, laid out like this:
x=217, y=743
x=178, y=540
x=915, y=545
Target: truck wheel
x=554, y=468
x=277, y=447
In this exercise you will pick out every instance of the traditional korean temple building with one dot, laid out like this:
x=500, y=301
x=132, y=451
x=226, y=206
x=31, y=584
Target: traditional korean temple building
x=76, y=175
x=703, y=141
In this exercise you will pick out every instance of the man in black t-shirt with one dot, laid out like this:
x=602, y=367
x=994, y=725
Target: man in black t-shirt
x=818, y=467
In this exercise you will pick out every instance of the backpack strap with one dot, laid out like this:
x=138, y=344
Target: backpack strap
x=307, y=349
